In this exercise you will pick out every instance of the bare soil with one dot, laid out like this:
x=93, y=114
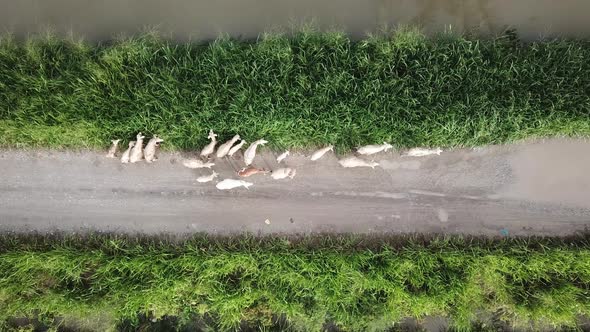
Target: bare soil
x=540, y=188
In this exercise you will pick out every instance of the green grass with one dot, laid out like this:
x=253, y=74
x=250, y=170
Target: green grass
x=358, y=284
x=300, y=91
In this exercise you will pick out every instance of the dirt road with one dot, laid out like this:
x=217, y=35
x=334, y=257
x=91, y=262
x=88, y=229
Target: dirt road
x=537, y=188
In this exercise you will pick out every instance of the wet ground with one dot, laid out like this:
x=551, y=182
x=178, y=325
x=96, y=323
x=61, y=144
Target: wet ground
x=540, y=188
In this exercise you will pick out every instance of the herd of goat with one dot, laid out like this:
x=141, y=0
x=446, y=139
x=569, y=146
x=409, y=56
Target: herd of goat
x=136, y=152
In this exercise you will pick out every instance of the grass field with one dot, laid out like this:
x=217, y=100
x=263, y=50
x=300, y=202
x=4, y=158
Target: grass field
x=358, y=284
x=300, y=91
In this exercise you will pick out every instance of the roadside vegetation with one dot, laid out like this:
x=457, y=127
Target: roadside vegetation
x=353, y=283
x=296, y=91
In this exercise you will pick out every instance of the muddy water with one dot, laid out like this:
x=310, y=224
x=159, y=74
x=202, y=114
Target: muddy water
x=204, y=19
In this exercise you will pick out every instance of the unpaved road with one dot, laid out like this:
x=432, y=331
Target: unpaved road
x=540, y=188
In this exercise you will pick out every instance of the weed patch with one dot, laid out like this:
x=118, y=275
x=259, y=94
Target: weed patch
x=353, y=283
x=300, y=91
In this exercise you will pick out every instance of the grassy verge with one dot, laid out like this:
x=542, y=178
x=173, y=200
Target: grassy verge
x=355, y=283
x=296, y=91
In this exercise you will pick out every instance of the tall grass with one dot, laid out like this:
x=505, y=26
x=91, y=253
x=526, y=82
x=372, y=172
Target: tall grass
x=298, y=91
x=358, y=284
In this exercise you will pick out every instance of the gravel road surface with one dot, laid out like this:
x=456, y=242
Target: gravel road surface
x=539, y=188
